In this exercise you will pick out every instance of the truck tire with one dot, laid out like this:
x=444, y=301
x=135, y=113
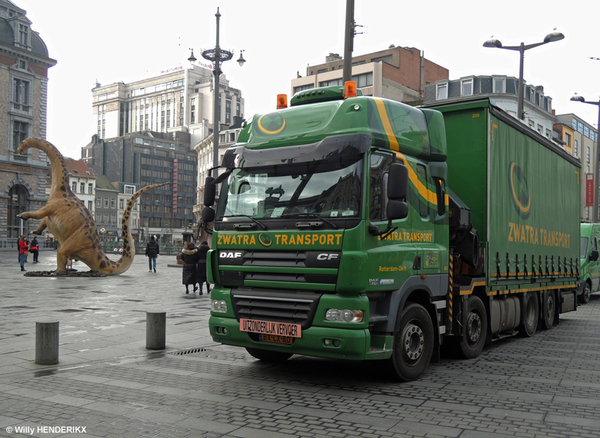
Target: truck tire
x=549, y=310
x=413, y=344
x=531, y=313
x=584, y=298
x=268, y=355
x=475, y=332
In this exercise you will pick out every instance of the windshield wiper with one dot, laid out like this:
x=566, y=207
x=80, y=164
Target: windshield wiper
x=327, y=221
x=263, y=226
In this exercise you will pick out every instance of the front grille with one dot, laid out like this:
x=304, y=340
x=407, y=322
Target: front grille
x=248, y=266
x=297, y=307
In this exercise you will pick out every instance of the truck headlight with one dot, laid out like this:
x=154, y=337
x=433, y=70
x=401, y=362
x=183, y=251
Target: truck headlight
x=218, y=306
x=344, y=315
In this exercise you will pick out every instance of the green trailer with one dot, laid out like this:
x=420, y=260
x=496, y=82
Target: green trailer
x=354, y=227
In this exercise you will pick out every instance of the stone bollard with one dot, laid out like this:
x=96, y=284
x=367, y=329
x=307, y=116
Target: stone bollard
x=46, y=343
x=156, y=330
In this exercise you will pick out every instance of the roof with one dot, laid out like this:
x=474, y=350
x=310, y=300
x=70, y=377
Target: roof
x=78, y=167
x=102, y=182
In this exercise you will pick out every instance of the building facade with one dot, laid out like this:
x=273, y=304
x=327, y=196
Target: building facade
x=24, y=65
x=581, y=140
x=179, y=100
x=504, y=91
x=141, y=159
x=398, y=73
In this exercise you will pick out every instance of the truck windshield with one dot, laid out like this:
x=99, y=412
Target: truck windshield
x=323, y=189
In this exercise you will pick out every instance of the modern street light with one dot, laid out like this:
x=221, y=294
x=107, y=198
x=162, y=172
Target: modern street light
x=551, y=37
x=581, y=99
x=217, y=56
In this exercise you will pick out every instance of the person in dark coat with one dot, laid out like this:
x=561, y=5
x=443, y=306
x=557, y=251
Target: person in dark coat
x=34, y=248
x=152, y=251
x=201, y=267
x=190, y=259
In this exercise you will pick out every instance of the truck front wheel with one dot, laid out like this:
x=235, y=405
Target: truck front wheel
x=268, y=356
x=475, y=330
x=584, y=298
x=413, y=344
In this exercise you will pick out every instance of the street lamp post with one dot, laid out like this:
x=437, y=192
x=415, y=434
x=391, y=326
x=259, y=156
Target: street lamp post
x=551, y=37
x=581, y=99
x=217, y=56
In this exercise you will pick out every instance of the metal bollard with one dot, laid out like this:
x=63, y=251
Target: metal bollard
x=156, y=330
x=46, y=343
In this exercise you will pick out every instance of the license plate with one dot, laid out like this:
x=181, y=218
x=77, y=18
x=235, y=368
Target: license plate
x=272, y=328
x=287, y=340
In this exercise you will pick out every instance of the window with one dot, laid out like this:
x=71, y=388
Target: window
x=423, y=208
x=576, y=147
x=106, y=200
x=90, y=205
x=129, y=190
x=23, y=34
x=17, y=204
x=90, y=188
x=587, y=154
x=441, y=91
x=568, y=139
x=466, y=87
x=20, y=133
x=113, y=203
x=74, y=187
x=121, y=204
x=377, y=191
x=21, y=90
x=82, y=187
x=98, y=202
x=499, y=85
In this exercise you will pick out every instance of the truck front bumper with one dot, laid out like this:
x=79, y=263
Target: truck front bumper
x=315, y=341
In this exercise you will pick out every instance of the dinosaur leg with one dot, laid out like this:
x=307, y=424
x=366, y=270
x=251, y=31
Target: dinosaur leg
x=61, y=261
x=41, y=227
x=38, y=214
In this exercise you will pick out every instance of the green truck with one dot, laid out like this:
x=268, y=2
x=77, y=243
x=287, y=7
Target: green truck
x=360, y=228
x=590, y=265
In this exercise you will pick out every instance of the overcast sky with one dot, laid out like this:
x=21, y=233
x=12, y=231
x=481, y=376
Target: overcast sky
x=126, y=40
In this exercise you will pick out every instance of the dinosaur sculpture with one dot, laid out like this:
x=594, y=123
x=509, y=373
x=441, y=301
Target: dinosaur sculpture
x=72, y=224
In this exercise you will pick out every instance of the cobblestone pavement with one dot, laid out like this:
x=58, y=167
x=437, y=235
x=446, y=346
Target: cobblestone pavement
x=108, y=385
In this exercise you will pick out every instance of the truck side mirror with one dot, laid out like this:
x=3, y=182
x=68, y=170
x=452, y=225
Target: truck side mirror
x=397, y=187
x=397, y=182
x=593, y=256
x=208, y=215
x=210, y=192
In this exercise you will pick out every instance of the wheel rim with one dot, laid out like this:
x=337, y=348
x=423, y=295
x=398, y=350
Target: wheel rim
x=474, y=327
x=413, y=341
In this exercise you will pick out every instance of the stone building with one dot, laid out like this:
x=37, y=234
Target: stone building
x=24, y=64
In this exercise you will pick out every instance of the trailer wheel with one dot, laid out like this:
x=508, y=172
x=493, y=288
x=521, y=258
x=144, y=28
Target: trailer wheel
x=584, y=298
x=530, y=312
x=475, y=331
x=267, y=355
x=413, y=344
x=549, y=309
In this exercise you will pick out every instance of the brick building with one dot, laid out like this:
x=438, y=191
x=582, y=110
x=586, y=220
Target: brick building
x=398, y=73
x=24, y=65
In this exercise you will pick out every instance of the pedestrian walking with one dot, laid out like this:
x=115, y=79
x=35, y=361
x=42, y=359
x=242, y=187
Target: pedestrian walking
x=190, y=259
x=34, y=248
x=201, y=267
x=22, y=251
x=152, y=252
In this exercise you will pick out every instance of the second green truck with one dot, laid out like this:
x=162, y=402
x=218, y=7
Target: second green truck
x=355, y=227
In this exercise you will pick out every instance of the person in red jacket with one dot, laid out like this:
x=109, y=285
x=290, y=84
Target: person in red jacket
x=22, y=251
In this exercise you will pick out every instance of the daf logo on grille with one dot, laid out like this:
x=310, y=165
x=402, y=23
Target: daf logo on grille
x=327, y=256
x=230, y=254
